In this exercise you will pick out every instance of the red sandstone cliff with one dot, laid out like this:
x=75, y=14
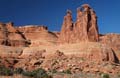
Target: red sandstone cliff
x=9, y=36
x=38, y=35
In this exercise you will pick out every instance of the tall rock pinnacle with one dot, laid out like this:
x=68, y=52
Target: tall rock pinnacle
x=67, y=27
x=84, y=29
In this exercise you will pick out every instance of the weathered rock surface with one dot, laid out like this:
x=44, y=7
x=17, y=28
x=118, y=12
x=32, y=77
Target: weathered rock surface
x=10, y=52
x=90, y=51
x=113, y=41
x=84, y=29
x=9, y=36
x=89, y=58
x=31, y=28
x=38, y=35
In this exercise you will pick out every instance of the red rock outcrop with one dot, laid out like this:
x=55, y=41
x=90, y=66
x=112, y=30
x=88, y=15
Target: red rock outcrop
x=32, y=28
x=66, y=32
x=38, y=35
x=84, y=29
x=113, y=41
x=32, y=32
x=92, y=51
x=3, y=34
x=9, y=36
x=89, y=59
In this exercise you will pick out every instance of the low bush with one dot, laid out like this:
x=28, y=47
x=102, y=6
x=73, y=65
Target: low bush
x=67, y=71
x=6, y=71
x=18, y=71
x=53, y=71
x=39, y=73
x=105, y=75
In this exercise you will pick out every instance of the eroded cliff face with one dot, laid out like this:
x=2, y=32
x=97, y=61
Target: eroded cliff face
x=38, y=35
x=113, y=41
x=84, y=29
x=9, y=36
x=31, y=28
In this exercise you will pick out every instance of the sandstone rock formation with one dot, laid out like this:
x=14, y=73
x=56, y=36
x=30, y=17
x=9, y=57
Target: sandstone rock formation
x=38, y=35
x=89, y=58
x=31, y=28
x=31, y=47
x=92, y=51
x=66, y=32
x=84, y=29
x=113, y=41
x=9, y=36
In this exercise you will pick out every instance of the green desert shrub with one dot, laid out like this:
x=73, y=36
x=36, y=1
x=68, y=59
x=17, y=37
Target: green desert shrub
x=28, y=73
x=18, y=71
x=39, y=73
x=6, y=71
x=53, y=71
x=105, y=75
x=67, y=71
